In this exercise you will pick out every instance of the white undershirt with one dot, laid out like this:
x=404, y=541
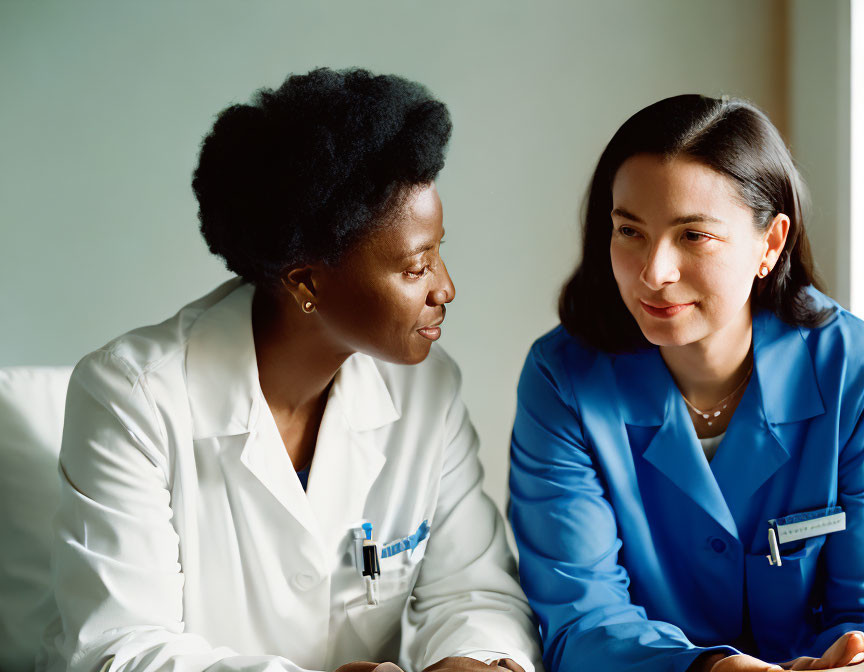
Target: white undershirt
x=710, y=445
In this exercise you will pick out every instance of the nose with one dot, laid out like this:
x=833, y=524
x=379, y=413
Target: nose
x=660, y=267
x=444, y=291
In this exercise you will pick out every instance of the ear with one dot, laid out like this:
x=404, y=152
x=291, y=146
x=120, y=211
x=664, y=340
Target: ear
x=774, y=240
x=300, y=283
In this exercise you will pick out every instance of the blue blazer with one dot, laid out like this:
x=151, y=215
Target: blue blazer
x=637, y=554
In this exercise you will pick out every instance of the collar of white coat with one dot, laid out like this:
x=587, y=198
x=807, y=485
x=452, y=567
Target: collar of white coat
x=222, y=375
x=783, y=369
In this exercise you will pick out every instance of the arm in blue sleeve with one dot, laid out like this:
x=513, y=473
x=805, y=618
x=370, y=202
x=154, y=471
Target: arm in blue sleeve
x=567, y=536
x=843, y=605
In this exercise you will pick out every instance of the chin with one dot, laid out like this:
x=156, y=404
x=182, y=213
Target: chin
x=666, y=337
x=418, y=357
x=407, y=357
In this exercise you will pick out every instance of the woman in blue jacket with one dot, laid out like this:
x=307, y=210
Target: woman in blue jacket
x=700, y=397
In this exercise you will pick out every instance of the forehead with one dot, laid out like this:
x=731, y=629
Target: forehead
x=418, y=223
x=681, y=183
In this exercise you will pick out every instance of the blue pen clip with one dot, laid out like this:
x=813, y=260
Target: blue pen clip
x=408, y=543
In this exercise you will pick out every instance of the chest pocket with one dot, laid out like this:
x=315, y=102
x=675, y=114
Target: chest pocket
x=783, y=600
x=378, y=625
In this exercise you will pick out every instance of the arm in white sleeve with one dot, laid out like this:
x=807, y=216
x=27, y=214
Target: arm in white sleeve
x=118, y=580
x=467, y=600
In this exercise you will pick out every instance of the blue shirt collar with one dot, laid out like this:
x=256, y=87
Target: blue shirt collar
x=783, y=370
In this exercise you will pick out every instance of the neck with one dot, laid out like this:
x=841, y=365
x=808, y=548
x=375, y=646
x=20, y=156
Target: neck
x=296, y=360
x=710, y=369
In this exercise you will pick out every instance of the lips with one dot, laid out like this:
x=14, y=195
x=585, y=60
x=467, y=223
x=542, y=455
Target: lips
x=663, y=309
x=433, y=331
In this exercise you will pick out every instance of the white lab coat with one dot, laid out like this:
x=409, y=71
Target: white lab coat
x=185, y=541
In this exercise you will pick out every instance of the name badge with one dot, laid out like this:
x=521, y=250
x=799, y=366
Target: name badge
x=802, y=526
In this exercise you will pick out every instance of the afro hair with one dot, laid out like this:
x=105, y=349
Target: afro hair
x=302, y=172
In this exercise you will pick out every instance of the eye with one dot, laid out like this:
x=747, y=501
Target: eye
x=627, y=231
x=417, y=274
x=696, y=236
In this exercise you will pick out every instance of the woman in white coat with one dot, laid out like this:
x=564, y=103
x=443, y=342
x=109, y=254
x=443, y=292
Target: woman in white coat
x=218, y=468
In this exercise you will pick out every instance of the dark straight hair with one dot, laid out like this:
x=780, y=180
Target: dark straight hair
x=734, y=138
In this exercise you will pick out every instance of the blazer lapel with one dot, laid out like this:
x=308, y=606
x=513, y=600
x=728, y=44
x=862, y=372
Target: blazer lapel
x=650, y=399
x=749, y=455
x=783, y=390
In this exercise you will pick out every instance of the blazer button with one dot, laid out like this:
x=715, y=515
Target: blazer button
x=717, y=545
x=305, y=581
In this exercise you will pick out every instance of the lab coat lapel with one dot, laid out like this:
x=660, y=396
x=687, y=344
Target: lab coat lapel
x=265, y=456
x=783, y=390
x=221, y=370
x=227, y=406
x=649, y=398
x=348, y=458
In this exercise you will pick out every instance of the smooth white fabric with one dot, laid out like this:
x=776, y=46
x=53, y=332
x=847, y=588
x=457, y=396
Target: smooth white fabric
x=185, y=541
x=711, y=444
x=31, y=421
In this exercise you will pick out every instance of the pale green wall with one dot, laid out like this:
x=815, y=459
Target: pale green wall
x=820, y=127
x=104, y=104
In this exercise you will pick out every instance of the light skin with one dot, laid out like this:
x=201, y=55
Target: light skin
x=685, y=252
x=684, y=243
x=386, y=298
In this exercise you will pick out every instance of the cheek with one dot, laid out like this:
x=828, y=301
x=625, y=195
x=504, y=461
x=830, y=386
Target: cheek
x=402, y=303
x=724, y=282
x=626, y=265
x=724, y=273
x=380, y=312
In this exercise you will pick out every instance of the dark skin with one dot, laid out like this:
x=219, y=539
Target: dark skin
x=445, y=665
x=385, y=298
x=377, y=300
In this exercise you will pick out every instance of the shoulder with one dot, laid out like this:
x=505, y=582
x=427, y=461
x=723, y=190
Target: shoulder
x=561, y=358
x=837, y=340
x=146, y=350
x=830, y=354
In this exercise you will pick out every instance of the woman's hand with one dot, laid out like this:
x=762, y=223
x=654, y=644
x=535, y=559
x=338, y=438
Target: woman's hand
x=720, y=662
x=445, y=665
x=363, y=666
x=847, y=650
x=737, y=663
x=471, y=665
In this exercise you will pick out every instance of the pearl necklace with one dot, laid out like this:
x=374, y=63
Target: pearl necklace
x=717, y=409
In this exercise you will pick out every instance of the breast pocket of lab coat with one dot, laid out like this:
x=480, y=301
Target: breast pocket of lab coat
x=379, y=625
x=784, y=601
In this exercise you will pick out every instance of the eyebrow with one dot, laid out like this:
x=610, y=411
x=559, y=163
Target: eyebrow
x=423, y=247
x=684, y=219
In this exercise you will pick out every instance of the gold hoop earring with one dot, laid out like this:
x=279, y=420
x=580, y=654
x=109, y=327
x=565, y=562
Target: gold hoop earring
x=764, y=270
x=308, y=307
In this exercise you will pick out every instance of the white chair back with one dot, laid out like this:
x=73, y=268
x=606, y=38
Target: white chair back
x=32, y=401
